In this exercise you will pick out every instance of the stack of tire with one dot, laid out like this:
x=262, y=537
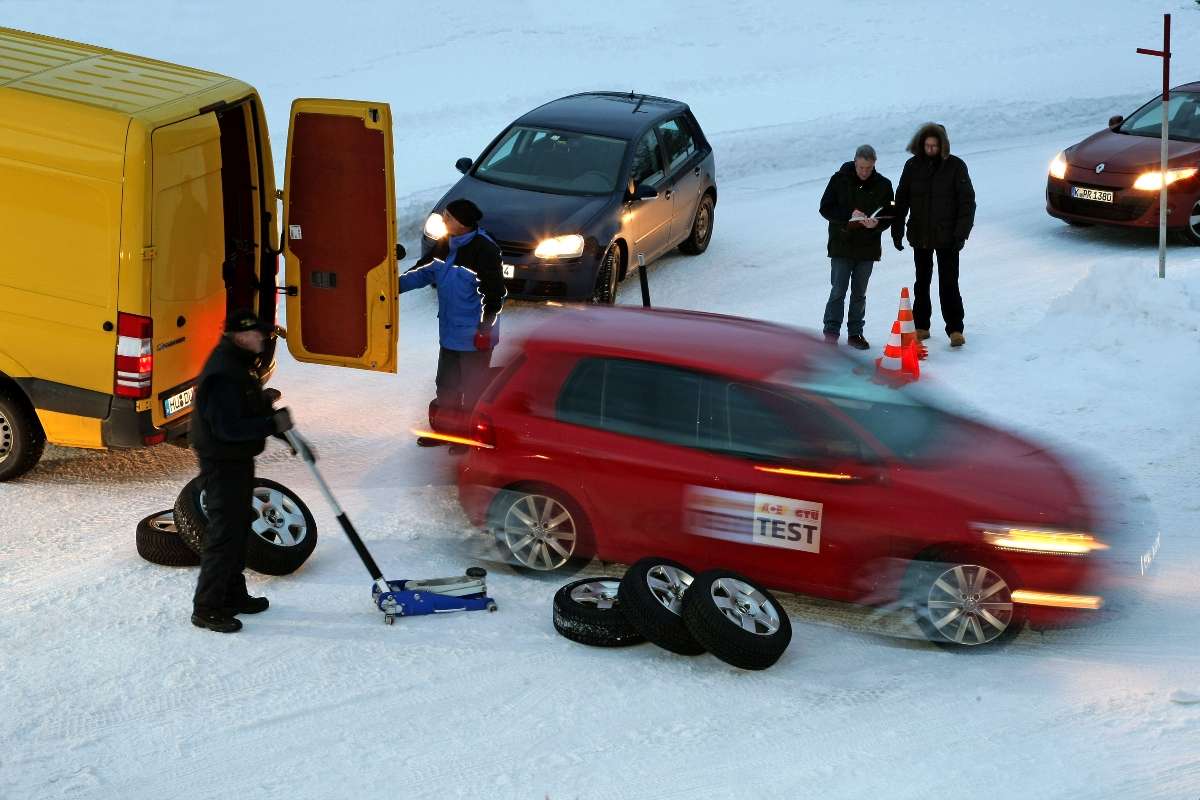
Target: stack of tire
x=664, y=602
x=283, y=531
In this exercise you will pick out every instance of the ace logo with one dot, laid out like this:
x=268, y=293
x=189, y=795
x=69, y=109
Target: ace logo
x=784, y=522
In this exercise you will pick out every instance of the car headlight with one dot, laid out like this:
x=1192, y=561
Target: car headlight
x=1058, y=167
x=569, y=246
x=1040, y=540
x=1153, y=181
x=435, y=226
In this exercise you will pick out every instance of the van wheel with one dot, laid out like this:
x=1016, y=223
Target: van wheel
x=702, y=228
x=605, y=293
x=540, y=531
x=22, y=439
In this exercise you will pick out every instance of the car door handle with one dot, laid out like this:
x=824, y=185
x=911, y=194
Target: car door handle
x=697, y=171
x=667, y=194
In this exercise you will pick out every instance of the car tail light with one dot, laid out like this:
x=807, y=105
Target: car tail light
x=482, y=430
x=154, y=438
x=135, y=356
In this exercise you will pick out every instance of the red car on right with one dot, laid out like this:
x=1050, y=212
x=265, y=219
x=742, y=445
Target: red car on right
x=1113, y=177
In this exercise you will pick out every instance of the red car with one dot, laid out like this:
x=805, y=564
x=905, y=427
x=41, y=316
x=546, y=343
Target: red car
x=726, y=442
x=1113, y=177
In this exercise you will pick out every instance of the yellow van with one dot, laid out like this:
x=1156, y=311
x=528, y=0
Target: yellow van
x=138, y=205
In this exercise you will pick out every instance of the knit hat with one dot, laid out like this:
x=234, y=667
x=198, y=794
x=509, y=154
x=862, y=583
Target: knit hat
x=465, y=212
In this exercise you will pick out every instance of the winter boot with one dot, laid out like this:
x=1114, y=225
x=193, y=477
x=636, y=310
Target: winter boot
x=957, y=339
x=219, y=621
x=831, y=338
x=250, y=605
x=922, y=334
x=858, y=342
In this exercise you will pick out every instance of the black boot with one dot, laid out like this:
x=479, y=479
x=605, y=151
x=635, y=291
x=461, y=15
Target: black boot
x=219, y=621
x=250, y=605
x=858, y=342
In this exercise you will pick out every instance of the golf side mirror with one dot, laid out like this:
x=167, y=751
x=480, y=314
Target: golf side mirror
x=1115, y=121
x=463, y=164
x=646, y=192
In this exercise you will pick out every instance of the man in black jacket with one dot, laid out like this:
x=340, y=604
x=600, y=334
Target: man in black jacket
x=857, y=202
x=936, y=194
x=230, y=424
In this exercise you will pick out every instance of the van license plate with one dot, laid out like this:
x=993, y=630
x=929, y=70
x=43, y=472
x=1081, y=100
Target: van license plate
x=1099, y=195
x=178, y=402
x=508, y=270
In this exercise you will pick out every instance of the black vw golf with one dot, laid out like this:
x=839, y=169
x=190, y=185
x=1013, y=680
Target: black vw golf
x=581, y=188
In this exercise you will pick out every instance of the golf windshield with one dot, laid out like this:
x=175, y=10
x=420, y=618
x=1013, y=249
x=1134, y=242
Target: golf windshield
x=1183, y=118
x=560, y=162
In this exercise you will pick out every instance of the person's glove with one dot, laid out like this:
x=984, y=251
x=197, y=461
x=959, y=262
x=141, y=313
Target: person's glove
x=960, y=244
x=272, y=396
x=899, y=244
x=483, y=338
x=282, y=420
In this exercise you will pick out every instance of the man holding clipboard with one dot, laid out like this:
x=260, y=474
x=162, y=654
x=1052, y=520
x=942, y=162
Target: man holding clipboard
x=858, y=204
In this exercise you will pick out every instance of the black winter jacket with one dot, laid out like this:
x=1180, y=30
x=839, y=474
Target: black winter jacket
x=232, y=418
x=845, y=193
x=937, y=196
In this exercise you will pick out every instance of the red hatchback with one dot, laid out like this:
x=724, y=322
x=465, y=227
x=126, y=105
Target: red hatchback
x=726, y=442
x=1113, y=177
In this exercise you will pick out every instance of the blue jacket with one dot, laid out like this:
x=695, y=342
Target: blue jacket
x=470, y=288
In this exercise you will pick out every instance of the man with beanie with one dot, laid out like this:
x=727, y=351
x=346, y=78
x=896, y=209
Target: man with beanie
x=858, y=204
x=936, y=195
x=230, y=424
x=465, y=267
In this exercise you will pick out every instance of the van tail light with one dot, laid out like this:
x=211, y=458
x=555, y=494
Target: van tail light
x=482, y=430
x=135, y=356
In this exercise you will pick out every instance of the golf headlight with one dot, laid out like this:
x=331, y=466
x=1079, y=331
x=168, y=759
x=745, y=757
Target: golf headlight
x=435, y=226
x=570, y=246
x=1153, y=181
x=1040, y=540
x=1058, y=167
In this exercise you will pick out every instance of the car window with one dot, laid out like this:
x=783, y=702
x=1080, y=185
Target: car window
x=651, y=401
x=1183, y=118
x=547, y=160
x=677, y=141
x=766, y=424
x=647, y=161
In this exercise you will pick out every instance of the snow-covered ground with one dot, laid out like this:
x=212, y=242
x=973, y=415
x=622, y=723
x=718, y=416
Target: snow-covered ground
x=107, y=690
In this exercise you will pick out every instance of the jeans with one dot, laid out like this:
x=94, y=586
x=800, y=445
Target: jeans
x=461, y=378
x=951, y=300
x=846, y=272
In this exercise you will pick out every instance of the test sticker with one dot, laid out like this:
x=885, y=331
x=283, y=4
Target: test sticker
x=784, y=522
x=294, y=233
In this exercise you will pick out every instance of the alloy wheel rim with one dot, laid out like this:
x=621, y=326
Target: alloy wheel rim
x=540, y=532
x=668, y=585
x=279, y=521
x=745, y=606
x=969, y=605
x=702, y=223
x=6, y=437
x=600, y=594
x=1194, y=219
x=164, y=522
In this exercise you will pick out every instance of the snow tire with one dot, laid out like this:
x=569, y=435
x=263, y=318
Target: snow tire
x=158, y=542
x=712, y=608
x=22, y=440
x=651, y=597
x=587, y=611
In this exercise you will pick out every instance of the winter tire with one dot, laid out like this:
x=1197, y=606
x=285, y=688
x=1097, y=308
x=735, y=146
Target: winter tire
x=651, y=595
x=22, y=440
x=158, y=542
x=962, y=606
x=702, y=227
x=283, y=530
x=736, y=620
x=1192, y=231
x=586, y=611
x=605, y=293
x=540, y=531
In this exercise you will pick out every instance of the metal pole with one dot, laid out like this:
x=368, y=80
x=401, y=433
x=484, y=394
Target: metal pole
x=643, y=280
x=1162, y=194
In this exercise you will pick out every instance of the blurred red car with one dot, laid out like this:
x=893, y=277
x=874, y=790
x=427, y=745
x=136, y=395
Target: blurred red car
x=726, y=442
x=1113, y=177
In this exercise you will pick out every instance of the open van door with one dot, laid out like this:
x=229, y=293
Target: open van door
x=339, y=234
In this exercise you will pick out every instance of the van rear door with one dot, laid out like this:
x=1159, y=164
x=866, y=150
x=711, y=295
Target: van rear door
x=339, y=233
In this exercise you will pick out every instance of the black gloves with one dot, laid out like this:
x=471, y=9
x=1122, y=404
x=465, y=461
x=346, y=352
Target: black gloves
x=272, y=396
x=899, y=244
x=282, y=420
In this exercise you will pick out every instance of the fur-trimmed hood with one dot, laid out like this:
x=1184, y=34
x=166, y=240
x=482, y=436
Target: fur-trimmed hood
x=916, y=145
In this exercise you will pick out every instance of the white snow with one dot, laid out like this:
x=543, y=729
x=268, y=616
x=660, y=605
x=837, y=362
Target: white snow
x=107, y=690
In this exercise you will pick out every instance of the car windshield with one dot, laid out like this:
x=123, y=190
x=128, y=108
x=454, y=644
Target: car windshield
x=903, y=421
x=560, y=162
x=1183, y=118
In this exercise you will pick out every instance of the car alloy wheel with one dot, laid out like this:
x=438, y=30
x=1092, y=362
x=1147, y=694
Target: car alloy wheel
x=745, y=606
x=1192, y=231
x=968, y=604
x=539, y=532
x=652, y=593
x=588, y=611
x=158, y=542
x=735, y=620
x=702, y=228
x=280, y=521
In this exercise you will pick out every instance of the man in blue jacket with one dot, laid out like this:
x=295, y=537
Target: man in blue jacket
x=465, y=267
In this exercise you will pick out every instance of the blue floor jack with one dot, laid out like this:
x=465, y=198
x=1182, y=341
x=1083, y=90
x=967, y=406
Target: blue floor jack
x=405, y=598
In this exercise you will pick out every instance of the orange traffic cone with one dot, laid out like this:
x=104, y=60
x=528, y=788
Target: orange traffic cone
x=908, y=330
x=891, y=366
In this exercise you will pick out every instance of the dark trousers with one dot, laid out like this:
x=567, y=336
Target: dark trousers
x=951, y=300
x=461, y=378
x=847, y=273
x=228, y=488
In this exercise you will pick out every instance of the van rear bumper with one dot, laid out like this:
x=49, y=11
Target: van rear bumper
x=126, y=427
